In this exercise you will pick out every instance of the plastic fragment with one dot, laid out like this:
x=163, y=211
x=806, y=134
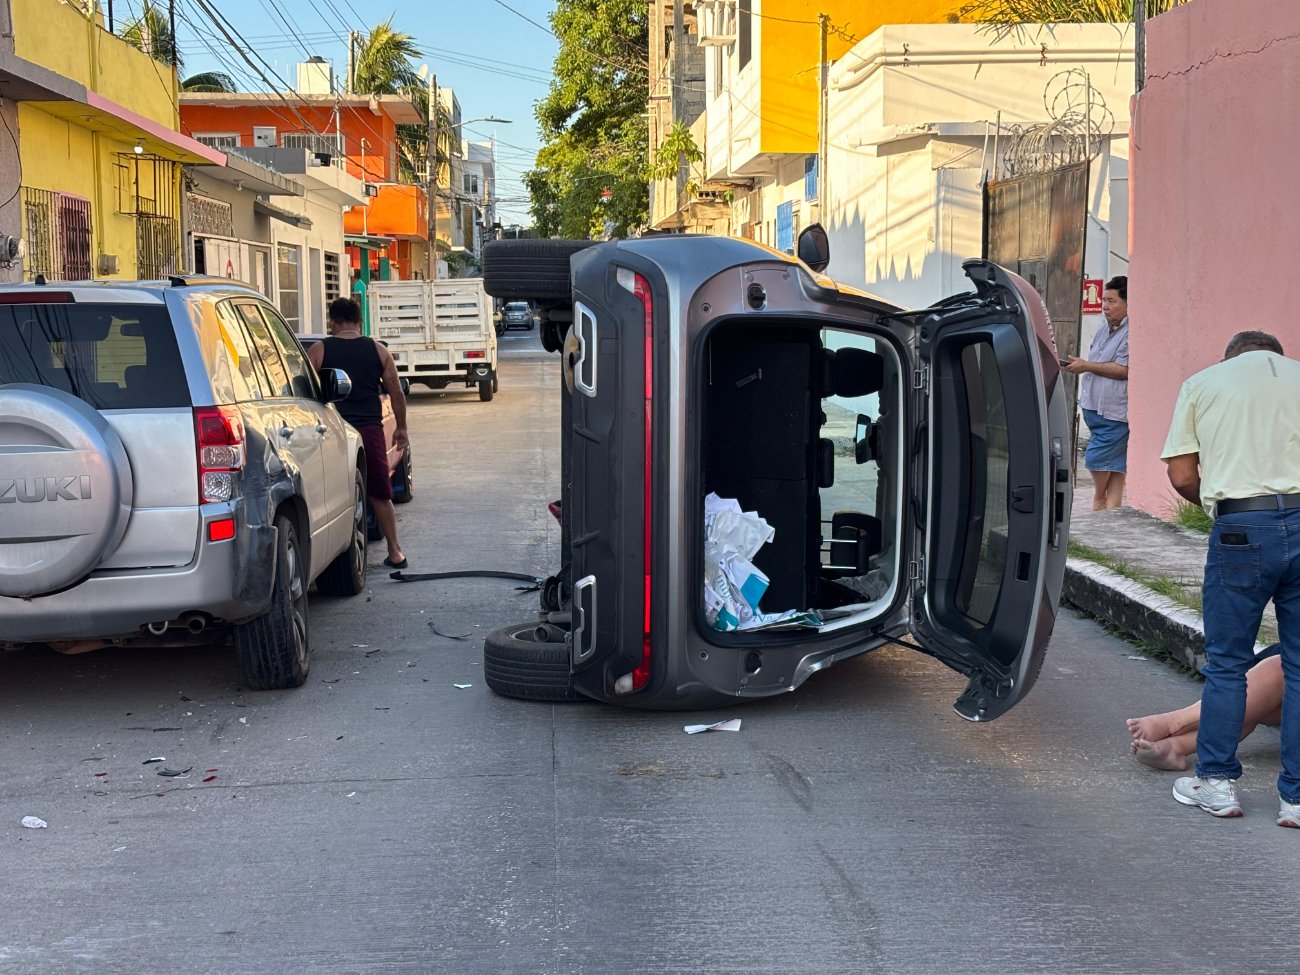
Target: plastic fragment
x=34, y=822
x=151, y=761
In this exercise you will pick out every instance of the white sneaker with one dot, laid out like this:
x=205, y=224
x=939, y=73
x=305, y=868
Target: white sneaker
x=1218, y=797
x=1289, y=814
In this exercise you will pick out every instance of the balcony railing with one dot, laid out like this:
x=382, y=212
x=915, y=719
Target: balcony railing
x=717, y=22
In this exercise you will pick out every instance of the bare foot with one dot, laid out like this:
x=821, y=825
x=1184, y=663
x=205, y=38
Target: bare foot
x=1159, y=754
x=1154, y=727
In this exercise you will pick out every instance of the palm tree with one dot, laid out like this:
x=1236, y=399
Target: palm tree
x=385, y=62
x=151, y=32
x=1008, y=13
x=385, y=65
x=210, y=81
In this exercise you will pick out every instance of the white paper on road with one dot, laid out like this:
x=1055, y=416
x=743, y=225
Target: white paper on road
x=462, y=686
x=34, y=822
x=731, y=724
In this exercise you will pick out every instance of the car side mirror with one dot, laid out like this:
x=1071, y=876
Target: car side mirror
x=335, y=385
x=405, y=385
x=814, y=247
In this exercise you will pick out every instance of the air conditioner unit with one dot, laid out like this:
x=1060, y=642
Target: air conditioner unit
x=106, y=265
x=717, y=22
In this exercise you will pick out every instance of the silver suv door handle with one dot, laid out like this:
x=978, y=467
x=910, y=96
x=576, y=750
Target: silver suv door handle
x=286, y=432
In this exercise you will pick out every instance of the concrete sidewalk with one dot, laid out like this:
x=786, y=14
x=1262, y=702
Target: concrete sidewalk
x=1142, y=576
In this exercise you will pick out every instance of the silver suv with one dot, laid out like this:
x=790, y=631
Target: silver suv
x=171, y=473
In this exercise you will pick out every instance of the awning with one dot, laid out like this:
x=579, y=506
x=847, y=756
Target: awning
x=100, y=114
x=250, y=175
x=288, y=216
x=369, y=243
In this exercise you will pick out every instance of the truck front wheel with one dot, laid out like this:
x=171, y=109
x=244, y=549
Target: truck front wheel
x=485, y=390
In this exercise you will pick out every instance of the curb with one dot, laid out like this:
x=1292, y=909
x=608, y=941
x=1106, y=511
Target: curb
x=1141, y=613
x=1138, y=612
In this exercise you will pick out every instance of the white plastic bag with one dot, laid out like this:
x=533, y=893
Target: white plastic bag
x=733, y=585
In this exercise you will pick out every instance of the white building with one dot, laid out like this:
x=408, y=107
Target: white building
x=274, y=219
x=479, y=193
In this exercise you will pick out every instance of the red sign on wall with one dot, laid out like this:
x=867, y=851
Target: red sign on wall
x=1092, y=296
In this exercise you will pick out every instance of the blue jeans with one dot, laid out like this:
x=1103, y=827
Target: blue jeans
x=1254, y=556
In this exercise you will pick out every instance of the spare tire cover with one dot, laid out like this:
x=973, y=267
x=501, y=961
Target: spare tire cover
x=65, y=489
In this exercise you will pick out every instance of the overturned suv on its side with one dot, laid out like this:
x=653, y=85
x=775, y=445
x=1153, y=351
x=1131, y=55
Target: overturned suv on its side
x=171, y=473
x=911, y=466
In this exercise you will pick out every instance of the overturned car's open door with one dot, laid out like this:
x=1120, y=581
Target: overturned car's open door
x=990, y=487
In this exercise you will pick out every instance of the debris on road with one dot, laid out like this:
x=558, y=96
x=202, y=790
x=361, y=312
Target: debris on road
x=462, y=686
x=173, y=773
x=34, y=822
x=732, y=724
x=450, y=636
x=151, y=761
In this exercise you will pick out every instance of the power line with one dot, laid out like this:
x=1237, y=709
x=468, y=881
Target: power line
x=598, y=57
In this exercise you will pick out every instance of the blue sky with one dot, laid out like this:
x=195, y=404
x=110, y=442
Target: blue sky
x=497, y=62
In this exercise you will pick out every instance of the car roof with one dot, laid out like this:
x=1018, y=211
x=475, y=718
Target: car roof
x=102, y=291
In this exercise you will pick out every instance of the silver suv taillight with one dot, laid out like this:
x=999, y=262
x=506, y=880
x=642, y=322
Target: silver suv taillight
x=219, y=437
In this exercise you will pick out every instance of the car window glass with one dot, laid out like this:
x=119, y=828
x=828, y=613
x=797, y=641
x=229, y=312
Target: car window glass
x=301, y=374
x=249, y=377
x=266, y=349
x=110, y=356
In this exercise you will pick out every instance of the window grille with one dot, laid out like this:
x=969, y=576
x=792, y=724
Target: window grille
x=333, y=281
x=59, y=235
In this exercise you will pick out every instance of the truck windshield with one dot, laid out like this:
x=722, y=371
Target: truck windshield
x=113, y=356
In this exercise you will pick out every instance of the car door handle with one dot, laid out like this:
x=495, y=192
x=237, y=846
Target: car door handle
x=286, y=432
x=584, y=634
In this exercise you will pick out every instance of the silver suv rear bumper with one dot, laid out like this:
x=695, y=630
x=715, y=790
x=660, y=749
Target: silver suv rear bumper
x=228, y=580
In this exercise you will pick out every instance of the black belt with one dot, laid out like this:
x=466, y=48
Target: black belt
x=1263, y=502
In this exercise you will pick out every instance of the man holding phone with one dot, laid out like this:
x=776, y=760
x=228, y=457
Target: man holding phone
x=1103, y=397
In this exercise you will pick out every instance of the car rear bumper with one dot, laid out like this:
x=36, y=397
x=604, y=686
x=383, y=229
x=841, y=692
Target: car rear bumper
x=228, y=580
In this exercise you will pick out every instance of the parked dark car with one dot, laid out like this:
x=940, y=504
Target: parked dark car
x=516, y=314
x=914, y=465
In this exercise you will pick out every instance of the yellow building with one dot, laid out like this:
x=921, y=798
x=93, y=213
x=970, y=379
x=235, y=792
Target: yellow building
x=763, y=95
x=99, y=152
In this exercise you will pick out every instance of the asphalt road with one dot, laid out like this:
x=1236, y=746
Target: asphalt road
x=382, y=820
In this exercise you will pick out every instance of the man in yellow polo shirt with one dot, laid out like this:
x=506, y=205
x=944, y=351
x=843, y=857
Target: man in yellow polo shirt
x=1234, y=447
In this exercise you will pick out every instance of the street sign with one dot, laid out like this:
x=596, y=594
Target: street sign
x=1092, y=296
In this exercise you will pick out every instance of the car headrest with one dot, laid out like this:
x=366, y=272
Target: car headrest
x=856, y=372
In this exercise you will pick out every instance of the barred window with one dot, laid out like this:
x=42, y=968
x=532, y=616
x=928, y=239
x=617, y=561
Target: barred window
x=59, y=235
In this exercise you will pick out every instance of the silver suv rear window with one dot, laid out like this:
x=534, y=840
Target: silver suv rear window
x=114, y=357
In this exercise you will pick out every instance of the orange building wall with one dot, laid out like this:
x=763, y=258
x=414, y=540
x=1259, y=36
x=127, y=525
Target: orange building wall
x=377, y=164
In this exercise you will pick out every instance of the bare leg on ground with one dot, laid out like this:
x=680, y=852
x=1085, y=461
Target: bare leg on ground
x=1164, y=741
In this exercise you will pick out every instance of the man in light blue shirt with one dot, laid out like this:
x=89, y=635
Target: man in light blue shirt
x=1103, y=398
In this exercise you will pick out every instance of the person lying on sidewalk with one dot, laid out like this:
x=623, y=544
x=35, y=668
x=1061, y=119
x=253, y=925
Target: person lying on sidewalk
x=1165, y=741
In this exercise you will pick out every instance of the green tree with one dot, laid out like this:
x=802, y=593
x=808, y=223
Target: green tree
x=592, y=171
x=209, y=81
x=1008, y=13
x=151, y=32
x=678, y=154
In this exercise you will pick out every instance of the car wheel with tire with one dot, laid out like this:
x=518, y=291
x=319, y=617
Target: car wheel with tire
x=552, y=336
x=529, y=269
x=485, y=390
x=403, y=479
x=273, y=649
x=526, y=662
x=346, y=575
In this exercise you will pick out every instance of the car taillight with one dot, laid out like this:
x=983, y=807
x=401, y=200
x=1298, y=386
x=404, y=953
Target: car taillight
x=478, y=354
x=219, y=438
x=640, y=287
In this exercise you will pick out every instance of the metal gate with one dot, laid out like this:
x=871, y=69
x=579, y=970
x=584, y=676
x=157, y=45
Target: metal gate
x=1035, y=225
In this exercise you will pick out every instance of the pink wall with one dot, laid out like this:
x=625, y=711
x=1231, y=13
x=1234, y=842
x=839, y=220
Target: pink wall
x=1215, y=206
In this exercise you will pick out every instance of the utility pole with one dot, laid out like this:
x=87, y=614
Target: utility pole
x=352, y=64
x=433, y=176
x=823, y=113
